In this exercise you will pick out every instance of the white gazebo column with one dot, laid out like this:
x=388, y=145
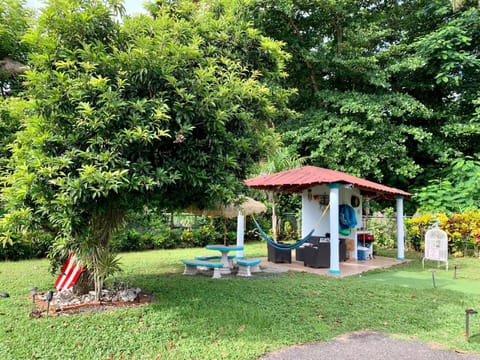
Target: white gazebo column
x=240, y=233
x=400, y=229
x=334, y=241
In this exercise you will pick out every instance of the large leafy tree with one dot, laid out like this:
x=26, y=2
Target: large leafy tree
x=456, y=190
x=165, y=108
x=448, y=83
x=344, y=57
x=386, y=88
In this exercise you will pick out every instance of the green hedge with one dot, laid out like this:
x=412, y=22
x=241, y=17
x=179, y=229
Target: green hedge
x=149, y=230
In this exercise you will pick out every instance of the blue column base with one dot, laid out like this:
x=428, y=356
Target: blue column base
x=336, y=272
x=400, y=259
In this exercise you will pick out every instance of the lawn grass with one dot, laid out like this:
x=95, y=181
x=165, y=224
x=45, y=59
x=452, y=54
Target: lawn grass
x=239, y=318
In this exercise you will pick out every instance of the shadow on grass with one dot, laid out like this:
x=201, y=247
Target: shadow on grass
x=176, y=289
x=474, y=339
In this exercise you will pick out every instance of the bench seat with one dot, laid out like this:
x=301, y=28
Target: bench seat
x=216, y=257
x=247, y=266
x=191, y=267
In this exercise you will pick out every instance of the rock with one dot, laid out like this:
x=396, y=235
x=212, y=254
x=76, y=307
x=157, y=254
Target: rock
x=65, y=295
x=128, y=294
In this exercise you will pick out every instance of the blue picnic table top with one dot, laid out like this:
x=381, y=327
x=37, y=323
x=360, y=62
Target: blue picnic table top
x=224, y=247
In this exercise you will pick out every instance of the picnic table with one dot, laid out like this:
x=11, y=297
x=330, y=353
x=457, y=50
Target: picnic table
x=225, y=249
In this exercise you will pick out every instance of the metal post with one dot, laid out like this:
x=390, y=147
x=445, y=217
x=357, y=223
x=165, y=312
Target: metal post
x=467, y=321
x=433, y=279
x=49, y=298
x=455, y=272
x=33, y=291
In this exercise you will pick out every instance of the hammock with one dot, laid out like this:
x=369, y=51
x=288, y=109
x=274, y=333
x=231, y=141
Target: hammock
x=283, y=246
x=291, y=246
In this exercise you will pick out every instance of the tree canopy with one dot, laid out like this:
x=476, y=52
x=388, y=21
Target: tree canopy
x=387, y=90
x=166, y=108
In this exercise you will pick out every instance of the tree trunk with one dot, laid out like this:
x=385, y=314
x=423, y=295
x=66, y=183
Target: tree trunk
x=274, y=217
x=84, y=283
x=102, y=227
x=313, y=78
x=11, y=67
x=339, y=31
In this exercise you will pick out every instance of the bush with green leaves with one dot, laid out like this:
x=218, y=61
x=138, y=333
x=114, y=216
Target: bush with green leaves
x=37, y=247
x=384, y=227
x=456, y=191
x=463, y=230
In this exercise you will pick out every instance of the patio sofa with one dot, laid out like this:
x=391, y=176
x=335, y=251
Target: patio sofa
x=316, y=253
x=279, y=256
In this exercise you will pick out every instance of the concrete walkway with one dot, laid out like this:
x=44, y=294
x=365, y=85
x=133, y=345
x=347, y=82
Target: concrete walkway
x=347, y=268
x=367, y=345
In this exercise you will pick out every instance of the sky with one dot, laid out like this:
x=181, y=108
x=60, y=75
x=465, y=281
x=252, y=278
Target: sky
x=131, y=6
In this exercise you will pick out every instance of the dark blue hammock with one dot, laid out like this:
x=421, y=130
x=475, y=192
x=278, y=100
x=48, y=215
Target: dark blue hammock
x=283, y=246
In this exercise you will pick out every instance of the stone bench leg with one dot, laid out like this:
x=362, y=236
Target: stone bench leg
x=190, y=270
x=216, y=273
x=256, y=268
x=244, y=270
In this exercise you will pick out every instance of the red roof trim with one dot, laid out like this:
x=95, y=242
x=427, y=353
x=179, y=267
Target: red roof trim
x=299, y=179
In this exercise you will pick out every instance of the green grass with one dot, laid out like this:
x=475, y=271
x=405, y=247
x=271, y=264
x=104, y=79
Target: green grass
x=240, y=318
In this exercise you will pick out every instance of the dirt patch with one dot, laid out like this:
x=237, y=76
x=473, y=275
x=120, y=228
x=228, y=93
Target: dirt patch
x=66, y=303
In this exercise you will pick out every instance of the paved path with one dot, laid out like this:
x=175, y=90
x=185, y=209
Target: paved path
x=366, y=345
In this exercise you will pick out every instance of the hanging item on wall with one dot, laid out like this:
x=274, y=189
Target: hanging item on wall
x=347, y=219
x=322, y=199
x=309, y=194
x=355, y=201
x=366, y=207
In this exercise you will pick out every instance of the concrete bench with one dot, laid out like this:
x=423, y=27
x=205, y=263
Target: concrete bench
x=247, y=266
x=216, y=257
x=191, y=267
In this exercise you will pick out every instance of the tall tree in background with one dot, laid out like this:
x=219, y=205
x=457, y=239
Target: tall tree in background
x=157, y=109
x=448, y=83
x=344, y=55
x=278, y=159
x=386, y=88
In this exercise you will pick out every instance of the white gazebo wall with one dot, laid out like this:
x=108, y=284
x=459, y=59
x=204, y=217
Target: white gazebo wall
x=312, y=210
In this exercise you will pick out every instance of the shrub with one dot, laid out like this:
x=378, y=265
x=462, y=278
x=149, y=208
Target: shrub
x=19, y=251
x=38, y=246
x=384, y=228
x=416, y=227
x=206, y=234
x=463, y=230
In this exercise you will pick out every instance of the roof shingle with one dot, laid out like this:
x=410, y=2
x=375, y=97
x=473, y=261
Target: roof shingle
x=299, y=179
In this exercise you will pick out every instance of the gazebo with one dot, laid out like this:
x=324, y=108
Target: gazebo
x=325, y=190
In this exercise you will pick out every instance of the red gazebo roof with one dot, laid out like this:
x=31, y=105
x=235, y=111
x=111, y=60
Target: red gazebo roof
x=299, y=179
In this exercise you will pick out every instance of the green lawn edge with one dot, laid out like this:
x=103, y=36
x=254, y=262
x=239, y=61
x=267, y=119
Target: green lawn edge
x=240, y=318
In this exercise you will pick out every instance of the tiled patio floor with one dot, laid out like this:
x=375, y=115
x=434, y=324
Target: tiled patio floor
x=347, y=268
